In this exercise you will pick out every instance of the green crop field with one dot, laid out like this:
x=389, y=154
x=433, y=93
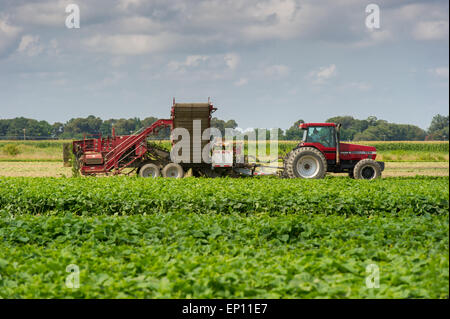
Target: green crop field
x=417, y=146
x=48, y=151
x=224, y=238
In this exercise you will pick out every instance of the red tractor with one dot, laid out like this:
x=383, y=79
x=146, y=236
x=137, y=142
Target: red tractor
x=321, y=151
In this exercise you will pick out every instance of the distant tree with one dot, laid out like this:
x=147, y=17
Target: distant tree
x=281, y=134
x=57, y=129
x=14, y=128
x=230, y=124
x=148, y=121
x=222, y=125
x=219, y=124
x=374, y=129
x=391, y=132
x=162, y=134
x=372, y=120
x=294, y=132
x=78, y=127
x=127, y=126
x=352, y=129
x=350, y=126
x=4, y=124
x=106, y=127
x=439, y=128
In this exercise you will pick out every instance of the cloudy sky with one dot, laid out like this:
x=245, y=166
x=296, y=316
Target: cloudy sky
x=264, y=63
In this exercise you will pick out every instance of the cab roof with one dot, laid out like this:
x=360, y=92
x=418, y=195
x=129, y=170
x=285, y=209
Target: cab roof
x=306, y=125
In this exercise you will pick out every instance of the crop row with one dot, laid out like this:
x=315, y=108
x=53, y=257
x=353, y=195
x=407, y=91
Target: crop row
x=410, y=146
x=188, y=255
x=126, y=196
x=283, y=146
x=224, y=238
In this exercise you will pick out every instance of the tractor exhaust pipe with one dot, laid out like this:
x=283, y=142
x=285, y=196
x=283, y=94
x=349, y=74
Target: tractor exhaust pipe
x=338, y=146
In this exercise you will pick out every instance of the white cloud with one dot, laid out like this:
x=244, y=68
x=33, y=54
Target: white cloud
x=30, y=45
x=361, y=86
x=374, y=37
x=424, y=21
x=323, y=74
x=127, y=4
x=241, y=82
x=411, y=11
x=51, y=13
x=53, y=47
x=117, y=61
x=8, y=33
x=146, y=27
x=6, y=29
x=216, y=66
x=195, y=60
x=138, y=24
x=441, y=72
x=52, y=78
x=431, y=30
x=131, y=44
x=190, y=61
x=276, y=71
x=276, y=19
x=110, y=80
x=232, y=60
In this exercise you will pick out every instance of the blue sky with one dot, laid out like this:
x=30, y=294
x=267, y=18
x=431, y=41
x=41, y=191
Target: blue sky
x=263, y=63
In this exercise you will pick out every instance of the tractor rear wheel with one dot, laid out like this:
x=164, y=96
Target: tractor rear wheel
x=367, y=169
x=306, y=162
x=149, y=170
x=173, y=170
x=285, y=161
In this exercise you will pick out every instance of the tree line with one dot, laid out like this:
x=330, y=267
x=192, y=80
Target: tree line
x=369, y=129
x=77, y=128
x=374, y=129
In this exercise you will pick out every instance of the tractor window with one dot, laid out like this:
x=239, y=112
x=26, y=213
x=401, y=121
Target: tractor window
x=321, y=134
x=305, y=134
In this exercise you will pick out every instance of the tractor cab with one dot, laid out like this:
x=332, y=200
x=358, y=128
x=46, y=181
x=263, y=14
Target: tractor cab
x=323, y=133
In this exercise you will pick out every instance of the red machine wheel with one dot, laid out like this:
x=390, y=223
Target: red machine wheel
x=367, y=169
x=149, y=170
x=173, y=170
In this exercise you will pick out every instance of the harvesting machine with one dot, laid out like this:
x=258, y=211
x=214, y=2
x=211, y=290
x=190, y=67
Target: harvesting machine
x=319, y=152
x=113, y=155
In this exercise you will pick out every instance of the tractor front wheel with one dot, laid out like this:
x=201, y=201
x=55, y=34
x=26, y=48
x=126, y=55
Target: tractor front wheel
x=367, y=169
x=306, y=162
